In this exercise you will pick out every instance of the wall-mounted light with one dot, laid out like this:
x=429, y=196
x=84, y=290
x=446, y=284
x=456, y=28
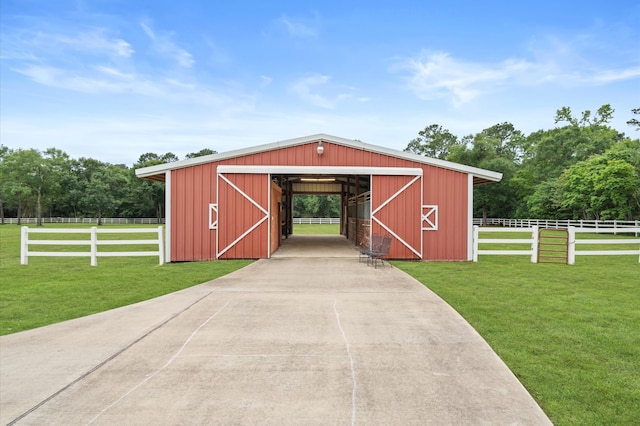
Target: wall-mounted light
x=320, y=148
x=317, y=179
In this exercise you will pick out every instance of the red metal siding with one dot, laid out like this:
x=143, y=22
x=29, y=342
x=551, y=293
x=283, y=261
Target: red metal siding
x=448, y=190
x=191, y=193
x=306, y=155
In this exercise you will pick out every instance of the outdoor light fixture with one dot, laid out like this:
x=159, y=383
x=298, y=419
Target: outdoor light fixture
x=317, y=180
x=320, y=148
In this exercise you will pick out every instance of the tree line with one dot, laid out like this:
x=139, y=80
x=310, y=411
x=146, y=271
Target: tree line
x=50, y=183
x=580, y=169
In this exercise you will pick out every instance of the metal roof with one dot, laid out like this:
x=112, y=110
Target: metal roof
x=479, y=175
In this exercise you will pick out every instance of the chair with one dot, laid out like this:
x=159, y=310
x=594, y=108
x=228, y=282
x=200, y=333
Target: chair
x=366, y=248
x=380, y=251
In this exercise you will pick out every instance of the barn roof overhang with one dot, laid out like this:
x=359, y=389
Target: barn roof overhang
x=157, y=172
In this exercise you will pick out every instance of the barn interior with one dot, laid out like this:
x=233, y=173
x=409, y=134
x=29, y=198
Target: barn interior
x=354, y=192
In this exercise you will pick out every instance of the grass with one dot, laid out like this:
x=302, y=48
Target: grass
x=571, y=334
x=316, y=229
x=54, y=289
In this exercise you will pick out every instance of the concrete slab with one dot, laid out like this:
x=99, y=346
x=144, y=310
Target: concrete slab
x=282, y=341
x=316, y=246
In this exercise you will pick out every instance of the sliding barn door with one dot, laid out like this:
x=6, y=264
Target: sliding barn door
x=243, y=216
x=396, y=209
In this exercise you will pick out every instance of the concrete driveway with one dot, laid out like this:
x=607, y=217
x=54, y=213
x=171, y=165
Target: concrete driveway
x=290, y=340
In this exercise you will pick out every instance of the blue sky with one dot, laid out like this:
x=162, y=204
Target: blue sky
x=115, y=79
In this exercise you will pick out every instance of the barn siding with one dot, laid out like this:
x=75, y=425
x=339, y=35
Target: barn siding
x=194, y=188
x=237, y=215
x=448, y=190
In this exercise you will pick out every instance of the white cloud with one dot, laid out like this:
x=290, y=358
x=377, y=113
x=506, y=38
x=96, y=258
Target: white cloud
x=611, y=76
x=265, y=81
x=163, y=44
x=110, y=80
x=308, y=89
x=147, y=30
x=439, y=75
x=35, y=44
x=297, y=27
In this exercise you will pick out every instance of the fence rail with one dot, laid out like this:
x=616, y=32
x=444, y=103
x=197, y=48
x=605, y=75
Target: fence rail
x=573, y=241
x=617, y=225
x=534, y=241
x=316, y=220
x=93, y=243
x=512, y=223
x=105, y=220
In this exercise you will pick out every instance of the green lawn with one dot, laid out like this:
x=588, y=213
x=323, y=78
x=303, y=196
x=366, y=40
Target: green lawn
x=53, y=289
x=316, y=229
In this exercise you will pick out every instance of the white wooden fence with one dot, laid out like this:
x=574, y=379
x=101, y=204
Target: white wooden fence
x=316, y=220
x=93, y=242
x=616, y=225
x=532, y=242
x=87, y=220
x=573, y=241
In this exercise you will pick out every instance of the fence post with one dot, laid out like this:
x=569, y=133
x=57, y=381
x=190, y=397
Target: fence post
x=24, y=245
x=94, y=246
x=160, y=246
x=534, y=244
x=571, y=255
x=476, y=233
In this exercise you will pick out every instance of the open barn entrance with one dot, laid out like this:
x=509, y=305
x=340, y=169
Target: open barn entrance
x=344, y=195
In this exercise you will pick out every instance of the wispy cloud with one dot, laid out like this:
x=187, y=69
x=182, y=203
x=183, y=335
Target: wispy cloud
x=33, y=44
x=297, y=27
x=308, y=89
x=439, y=75
x=610, y=76
x=163, y=44
x=102, y=79
x=95, y=61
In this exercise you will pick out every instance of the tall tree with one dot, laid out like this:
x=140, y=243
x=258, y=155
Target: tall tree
x=434, y=141
x=147, y=197
x=548, y=153
x=56, y=165
x=201, y=153
x=498, y=148
x=25, y=178
x=105, y=191
x=635, y=122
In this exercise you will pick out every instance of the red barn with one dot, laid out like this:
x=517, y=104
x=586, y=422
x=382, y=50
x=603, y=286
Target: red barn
x=239, y=204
